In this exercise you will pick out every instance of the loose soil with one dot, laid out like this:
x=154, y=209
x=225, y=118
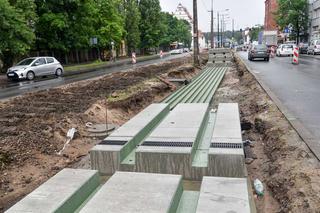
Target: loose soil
x=34, y=126
x=289, y=171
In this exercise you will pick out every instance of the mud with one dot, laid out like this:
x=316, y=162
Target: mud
x=289, y=171
x=34, y=126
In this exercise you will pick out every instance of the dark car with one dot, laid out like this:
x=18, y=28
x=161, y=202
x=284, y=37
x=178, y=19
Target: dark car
x=303, y=48
x=258, y=51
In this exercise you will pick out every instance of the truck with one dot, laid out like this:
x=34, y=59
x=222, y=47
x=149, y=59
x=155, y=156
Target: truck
x=270, y=38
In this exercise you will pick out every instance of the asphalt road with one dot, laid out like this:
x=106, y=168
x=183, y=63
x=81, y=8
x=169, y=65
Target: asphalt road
x=296, y=86
x=10, y=89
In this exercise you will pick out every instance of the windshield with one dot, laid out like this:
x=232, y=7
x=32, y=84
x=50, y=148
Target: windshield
x=260, y=47
x=287, y=47
x=26, y=61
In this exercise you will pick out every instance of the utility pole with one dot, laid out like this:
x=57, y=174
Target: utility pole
x=222, y=22
x=218, y=40
x=212, y=36
x=195, y=34
x=232, y=28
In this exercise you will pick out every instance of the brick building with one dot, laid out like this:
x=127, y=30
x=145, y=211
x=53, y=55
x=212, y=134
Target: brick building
x=271, y=7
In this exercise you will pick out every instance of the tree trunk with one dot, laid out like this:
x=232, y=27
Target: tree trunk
x=66, y=58
x=77, y=55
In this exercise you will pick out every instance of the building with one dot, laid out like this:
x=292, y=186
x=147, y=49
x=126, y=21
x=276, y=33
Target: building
x=270, y=23
x=314, y=30
x=182, y=13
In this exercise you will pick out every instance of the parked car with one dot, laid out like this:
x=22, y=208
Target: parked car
x=176, y=51
x=285, y=50
x=186, y=50
x=303, y=48
x=30, y=68
x=258, y=51
x=314, y=48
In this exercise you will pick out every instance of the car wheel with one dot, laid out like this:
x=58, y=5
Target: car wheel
x=58, y=72
x=30, y=75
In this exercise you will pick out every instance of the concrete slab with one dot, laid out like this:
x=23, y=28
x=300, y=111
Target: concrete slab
x=226, y=155
x=64, y=192
x=188, y=202
x=223, y=195
x=137, y=192
x=108, y=155
x=169, y=148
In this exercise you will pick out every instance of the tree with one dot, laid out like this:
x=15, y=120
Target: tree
x=132, y=20
x=65, y=25
x=110, y=23
x=150, y=11
x=293, y=13
x=174, y=30
x=16, y=32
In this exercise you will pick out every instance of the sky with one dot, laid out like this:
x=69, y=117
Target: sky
x=246, y=13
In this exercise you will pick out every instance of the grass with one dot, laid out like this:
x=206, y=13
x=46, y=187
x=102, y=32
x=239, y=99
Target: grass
x=121, y=95
x=91, y=65
x=95, y=64
x=126, y=93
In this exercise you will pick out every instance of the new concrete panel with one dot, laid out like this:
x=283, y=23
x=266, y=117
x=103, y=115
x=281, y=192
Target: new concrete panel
x=226, y=162
x=107, y=157
x=137, y=192
x=183, y=122
x=226, y=159
x=175, y=138
x=165, y=160
x=227, y=126
x=223, y=195
x=64, y=192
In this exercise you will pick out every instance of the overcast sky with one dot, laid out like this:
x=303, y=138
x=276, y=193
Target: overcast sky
x=246, y=13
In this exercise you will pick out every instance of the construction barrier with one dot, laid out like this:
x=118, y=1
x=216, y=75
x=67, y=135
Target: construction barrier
x=295, y=59
x=134, y=59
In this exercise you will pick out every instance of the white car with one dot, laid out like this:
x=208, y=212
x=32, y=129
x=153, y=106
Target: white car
x=30, y=68
x=176, y=51
x=285, y=50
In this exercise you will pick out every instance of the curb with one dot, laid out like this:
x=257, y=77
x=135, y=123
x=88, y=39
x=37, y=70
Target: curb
x=115, y=64
x=306, y=135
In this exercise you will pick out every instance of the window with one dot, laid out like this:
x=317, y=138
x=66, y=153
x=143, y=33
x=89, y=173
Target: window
x=26, y=61
x=40, y=61
x=50, y=60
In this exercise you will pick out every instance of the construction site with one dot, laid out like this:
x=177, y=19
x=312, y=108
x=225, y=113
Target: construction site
x=174, y=138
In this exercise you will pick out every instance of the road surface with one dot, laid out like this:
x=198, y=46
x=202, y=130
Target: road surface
x=296, y=86
x=11, y=89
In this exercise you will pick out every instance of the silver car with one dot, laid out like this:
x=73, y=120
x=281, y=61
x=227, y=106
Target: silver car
x=30, y=68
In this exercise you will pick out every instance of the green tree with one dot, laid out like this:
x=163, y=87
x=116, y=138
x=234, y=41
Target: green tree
x=174, y=30
x=293, y=13
x=150, y=11
x=65, y=25
x=132, y=20
x=16, y=32
x=110, y=22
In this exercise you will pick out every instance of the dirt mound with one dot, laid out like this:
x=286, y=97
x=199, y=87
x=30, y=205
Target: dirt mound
x=284, y=163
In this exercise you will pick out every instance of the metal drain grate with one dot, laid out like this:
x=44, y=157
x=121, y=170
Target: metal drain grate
x=167, y=144
x=227, y=145
x=112, y=142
